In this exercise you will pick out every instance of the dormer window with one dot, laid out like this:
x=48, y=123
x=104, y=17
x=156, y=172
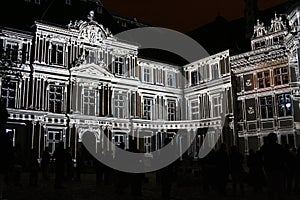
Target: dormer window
x=68, y=2
x=171, y=79
x=57, y=54
x=90, y=56
x=119, y=65
x=147, y=75
x=10, y=50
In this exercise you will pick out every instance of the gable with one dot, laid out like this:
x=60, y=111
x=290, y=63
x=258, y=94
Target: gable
x=91, y=70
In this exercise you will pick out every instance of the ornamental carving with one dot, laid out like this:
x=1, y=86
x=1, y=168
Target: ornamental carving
x=250, y=110
x=248, y=83
x=90, y=32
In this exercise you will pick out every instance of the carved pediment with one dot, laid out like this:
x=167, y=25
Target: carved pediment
x=92, y=31
x=91, y=70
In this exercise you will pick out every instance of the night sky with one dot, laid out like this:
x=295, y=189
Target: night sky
x=184, y=15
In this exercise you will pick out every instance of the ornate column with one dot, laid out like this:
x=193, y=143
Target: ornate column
x=39, y=139
x=246, y=145
x=189, y=140
x=111, y=103
x=32, y=133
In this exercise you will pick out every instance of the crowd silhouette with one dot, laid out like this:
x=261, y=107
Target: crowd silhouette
x=273, y=170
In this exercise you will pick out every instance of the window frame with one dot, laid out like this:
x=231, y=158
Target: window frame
x=91, y=103
x=55, y=100
x=119, y=105
x=171, y=110
x=147, y=108
x=266, y=107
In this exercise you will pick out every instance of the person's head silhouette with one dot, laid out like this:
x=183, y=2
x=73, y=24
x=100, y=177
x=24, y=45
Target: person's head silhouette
x=272, y=138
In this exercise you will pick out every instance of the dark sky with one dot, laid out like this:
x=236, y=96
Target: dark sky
x=184, y=15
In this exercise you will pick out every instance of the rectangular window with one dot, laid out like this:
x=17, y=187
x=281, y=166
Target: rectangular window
x=195, y=110
x=55, y=98
x=171, y=111
x=8, y=93
x=90, y=56
x=217, y=106
x=171, y=79
x=284, y=105
x=266, y=107
x=119, y=65
x=57, y=54
x=11, y=51
x=147, y=75
x=159, y=77
x=119, y=105
x=147, y=143
x=263, y=79
x=194, y=77
x=53, y=138
x=147, y=108
x=281, y=76
x=89, y=101
x=215, y=71
x=68, y=2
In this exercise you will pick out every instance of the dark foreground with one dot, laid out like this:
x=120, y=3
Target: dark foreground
x=184, y=188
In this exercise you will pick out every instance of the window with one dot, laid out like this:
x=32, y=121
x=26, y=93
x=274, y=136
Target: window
x=159, y=77
x=263, y=79
x=90, y=56
x=147, y=76
x=147, y=144
x=57, y=54
x=281, y=76
x=217, y=106
x=215, y=71
x=171, y=111
x=119, y=105
x=266, y=107
x=89, y=101
x=55, y=98
x=284, y=105
x=53, y=138
x=194, y=78
x=8, y=93
x=11, y=51
x=68, y=2
x=195, y=110
x=170, y=79
x=119, y=65
x=147, y=108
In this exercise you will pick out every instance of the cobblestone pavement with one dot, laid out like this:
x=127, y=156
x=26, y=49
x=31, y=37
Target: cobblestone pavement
x=87, y=189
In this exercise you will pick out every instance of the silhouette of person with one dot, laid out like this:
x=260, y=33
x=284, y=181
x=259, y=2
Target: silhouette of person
x=297, y=172
x=167, y=175
x=6, y=149
x=45, y=163
x=208, y=164
x=136, y=178
x=60, y=160
x=33, y=168
x=274, y=161
x=121, y=177
x=17, y=166
x=222, y=167
x=236, y=169
x=291, y=162
x=79, y=166
x=69, y=164
x=256, y=173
